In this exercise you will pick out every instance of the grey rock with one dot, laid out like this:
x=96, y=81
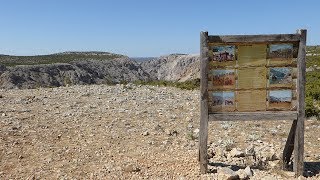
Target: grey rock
x=242, y=174
x=236, y=153
x=250, y=150
x=196, y=133
x=211, y=153
x=248, y=171
x=146, y=133
x=227, y=174
x=131, y=168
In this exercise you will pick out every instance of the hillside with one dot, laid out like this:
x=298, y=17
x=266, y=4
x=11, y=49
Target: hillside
x=175, y=67
x=64, y=57
x=72, y=68
x=68, y=68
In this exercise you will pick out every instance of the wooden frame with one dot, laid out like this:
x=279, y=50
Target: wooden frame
x=295, y=141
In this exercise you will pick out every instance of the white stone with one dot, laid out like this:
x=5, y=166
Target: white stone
x=242, y=174
x=236, y=153
x=227, y=174
x=146, y=133
x=248, y=171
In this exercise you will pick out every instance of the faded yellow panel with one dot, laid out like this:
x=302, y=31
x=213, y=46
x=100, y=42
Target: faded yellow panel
x=222, y=101
x=251, y=100
x=252, y=55
x=249, y=78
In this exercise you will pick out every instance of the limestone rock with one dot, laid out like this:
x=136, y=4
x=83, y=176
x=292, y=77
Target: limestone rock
x=131, y=168
x=248, y=171
x=250, y=150
x=242, y=174
x=227, y=174
x=236, y=153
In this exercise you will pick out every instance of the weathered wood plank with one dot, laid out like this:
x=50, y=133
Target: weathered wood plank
x=298, y=166
x=252, y=100
x=211, y=88
x=270, y=38
x=288, y=148
x=263, y=115
x=203, y=134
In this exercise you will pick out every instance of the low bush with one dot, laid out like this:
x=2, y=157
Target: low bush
x=188, y=85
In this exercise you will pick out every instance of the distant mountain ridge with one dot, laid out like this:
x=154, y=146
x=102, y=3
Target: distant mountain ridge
x=92, y=67
x=63, y=57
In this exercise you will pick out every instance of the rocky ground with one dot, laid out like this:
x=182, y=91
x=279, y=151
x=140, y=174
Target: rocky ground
x=134, y=132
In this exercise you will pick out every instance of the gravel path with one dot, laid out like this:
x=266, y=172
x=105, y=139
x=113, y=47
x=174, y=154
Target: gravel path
x=128, y=132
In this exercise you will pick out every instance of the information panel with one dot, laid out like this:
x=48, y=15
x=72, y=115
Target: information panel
x=254, y=77
x=250, y=77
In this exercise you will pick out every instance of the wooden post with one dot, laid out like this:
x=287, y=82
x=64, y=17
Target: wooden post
x=298, y=165
x=203, y=134
x=288, y=148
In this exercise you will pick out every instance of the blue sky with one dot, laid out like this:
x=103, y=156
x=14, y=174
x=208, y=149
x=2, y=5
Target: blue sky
x=144, y=27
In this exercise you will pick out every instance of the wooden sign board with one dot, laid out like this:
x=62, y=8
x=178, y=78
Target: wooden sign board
x=253, y=77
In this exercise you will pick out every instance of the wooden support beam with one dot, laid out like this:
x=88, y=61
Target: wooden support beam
x=269, y=38
x=288, y=148
x=244, y=116
x=203, y=134
x=298, y=165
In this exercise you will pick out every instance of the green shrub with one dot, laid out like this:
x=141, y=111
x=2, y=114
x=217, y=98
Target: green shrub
x=312, y=93
x=56, y=58
x=188, y=85
x=311, y=110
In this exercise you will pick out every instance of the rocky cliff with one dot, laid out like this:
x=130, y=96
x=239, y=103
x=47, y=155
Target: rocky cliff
x=175, y=67
x=96, y=71
x=78, y=72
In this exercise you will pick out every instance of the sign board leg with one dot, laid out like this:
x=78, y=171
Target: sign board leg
x=203, y=134
x=288, y=148
x=298, y=165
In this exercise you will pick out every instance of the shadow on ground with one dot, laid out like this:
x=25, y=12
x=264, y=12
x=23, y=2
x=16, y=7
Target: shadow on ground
x=311, y=168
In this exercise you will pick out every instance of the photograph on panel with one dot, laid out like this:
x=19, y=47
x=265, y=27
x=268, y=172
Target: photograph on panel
x=280, y=98
x=280, y=51
x=280, y=75
x=223, y=53
x=223, y=98
x=223, y=78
